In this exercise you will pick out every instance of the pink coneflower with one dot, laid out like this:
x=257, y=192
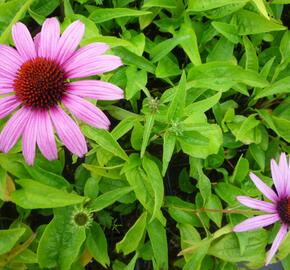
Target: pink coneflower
x=277, y=210
x=35, y=79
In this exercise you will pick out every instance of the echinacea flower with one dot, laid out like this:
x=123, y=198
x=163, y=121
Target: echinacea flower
x=277, y=210
x=35, y=80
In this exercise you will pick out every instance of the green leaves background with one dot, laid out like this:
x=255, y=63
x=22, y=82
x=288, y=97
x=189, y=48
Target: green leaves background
x=206, y=86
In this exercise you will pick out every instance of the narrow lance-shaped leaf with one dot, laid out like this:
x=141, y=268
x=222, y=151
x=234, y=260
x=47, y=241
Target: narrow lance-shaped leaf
x=176, y=107
x=106, y=140
x=108, y=198
x=106, y=14
x=157, y=235
x=169, y=141
x=149, y=122
x=156, y=181
x=97, y=244
x=133, y=237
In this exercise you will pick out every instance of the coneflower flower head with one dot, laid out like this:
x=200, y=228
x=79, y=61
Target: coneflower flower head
x=35, y=81
x=277, y=208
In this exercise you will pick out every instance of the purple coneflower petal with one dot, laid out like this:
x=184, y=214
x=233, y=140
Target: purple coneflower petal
x=95, y=89
x=84, y=64
x=277, y=241
x=256, y=222
x=8, y=105
x=268, y=192
x=13, y=129
x=45, y=136
x=6, y=86
x=86, y=111
x=23, y=41
x=284, y=172
x=36, y=40
x=278, y=178
x=50, y=33
x=10, y=61
x=68, y=132
x=257, y=204
x=29, y=139
x=69, y=41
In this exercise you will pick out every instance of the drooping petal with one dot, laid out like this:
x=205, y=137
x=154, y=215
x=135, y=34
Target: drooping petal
x=277, y=241
x=69, y=41
x=45, y=136
x=268, y=192
x=256, y=222
x=278, y=179
x=257, y=204
x=96, y=90
x=13, y=129
x=50, y=33
x=23, y=41
x=86, y=111
x=6, y=86
x=10, y=61
x=82, y=66
x=29, y=138
x=68, y=132
x=8, y=105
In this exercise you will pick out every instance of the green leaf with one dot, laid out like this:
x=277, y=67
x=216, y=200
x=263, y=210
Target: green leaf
x=261, y=7
x=223, y=75
x=156, y=181
x=285, y=46
x=158, y=240
x=227, y=248
x=195, y=5
x=46, y=177
x=241, y=170
x=250, y=23
x=130, y=58
x=8, y=238
x=60, y=243
x=149, y=122
x=229, y=193
x=105, y=14
x=136, y=80
x=279, y=87
x=213, y=202
x=203, y=105
x=159, y=3
x=132, y=238
x=106, y=140
x=176, y=107
x=166, y=46
x=108, y=198
x=10, y=13
x=190, y=45
x=36, y=195
x=169, y=141
x=97, y=244
x=230, y=31
x=252, y=62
